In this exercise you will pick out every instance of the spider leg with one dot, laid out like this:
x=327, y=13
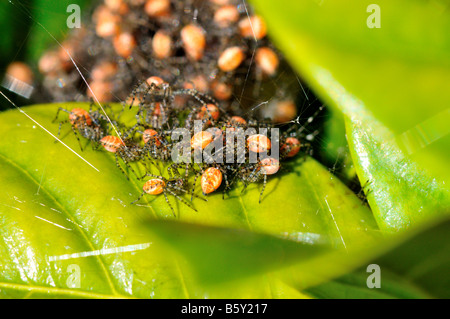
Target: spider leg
x=167, y=200
x=152, y=175
x=120, y=167
x=171, y=171
x=196, y=95
x=187, y=192
x=140, y=196
x=209, y=118
x=91, y=105
x=59, y=129
x=197, y=174
x=129, y=166
x=186, y=171
x=76, y=135
x=138, y=114
x=193, y=187
x=163, y=108
x=57, y=113
x=147, y=154
x=189, y=118
x=93, y=145
x=234, y=173
x=180, y=199
x=253, y=177
x=307, y=152
x=245, y=187
x=264, y=186
x=254, y=172
x=196, y=196
x=131, y=131
x=95, y=141
x=134, y=93
x=227, y=186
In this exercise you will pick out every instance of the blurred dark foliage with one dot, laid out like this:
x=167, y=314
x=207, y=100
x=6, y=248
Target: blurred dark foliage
x=22, y=39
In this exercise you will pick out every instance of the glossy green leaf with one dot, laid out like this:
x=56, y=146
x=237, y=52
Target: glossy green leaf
x=57, y=211
x=354, y=286
x=419, y=267
x=400, y=193
x=423, y=260
x=219, y=254
x=333, y=147
x=397, y=74
x=411, y=264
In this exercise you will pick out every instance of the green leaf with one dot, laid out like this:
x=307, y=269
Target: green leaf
x=219, y=254
x=58, y=211
x=400, y=193
x=412, y=264
x=334, y=148
x=396, y=74
x=354, y=286
x=418, y=267
x=423, y=260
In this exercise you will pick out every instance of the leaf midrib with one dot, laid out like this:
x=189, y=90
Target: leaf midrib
x=70, y=292
x=182, y=280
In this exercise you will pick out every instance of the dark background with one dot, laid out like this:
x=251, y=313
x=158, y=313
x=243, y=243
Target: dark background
x=23, y=39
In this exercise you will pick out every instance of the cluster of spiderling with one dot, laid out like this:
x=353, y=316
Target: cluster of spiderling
x=188, y=62
x=148, y=139
x=218, y=47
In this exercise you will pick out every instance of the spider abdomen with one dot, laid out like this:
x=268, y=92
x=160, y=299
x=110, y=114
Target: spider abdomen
x=154, y=186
